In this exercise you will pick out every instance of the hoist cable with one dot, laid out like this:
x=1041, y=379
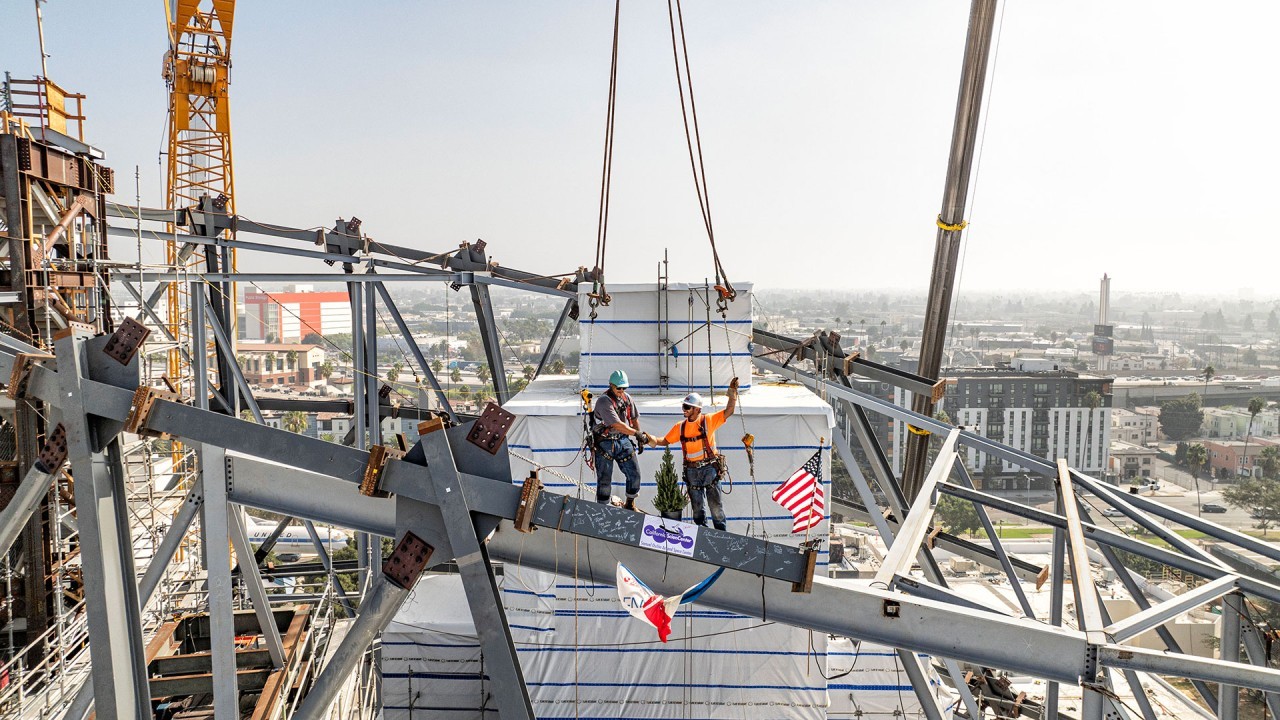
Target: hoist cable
x=599, y=295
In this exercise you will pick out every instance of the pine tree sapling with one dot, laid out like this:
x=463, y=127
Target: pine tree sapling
x=669, y=498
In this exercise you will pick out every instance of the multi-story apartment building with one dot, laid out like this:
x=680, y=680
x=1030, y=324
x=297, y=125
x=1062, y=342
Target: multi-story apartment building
x=1233, y=423
x=1043, y=412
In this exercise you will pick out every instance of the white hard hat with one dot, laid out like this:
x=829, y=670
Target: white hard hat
x=693, y=400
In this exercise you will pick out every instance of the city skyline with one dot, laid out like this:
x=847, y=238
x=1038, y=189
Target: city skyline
x=1108, y=147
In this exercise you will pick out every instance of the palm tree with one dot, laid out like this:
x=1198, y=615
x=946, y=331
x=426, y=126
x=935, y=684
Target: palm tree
x=557, y=367
x=1093, y=401
x=291, y=358
x=394, y=373
x=483, y=373
x=1197, y=456
x=436, y=365
x=455, y=375
x=1256, y=405
x=326, y=369
x=529, y=371
x=271, y=363
x=295, y=421
x=1208, y=372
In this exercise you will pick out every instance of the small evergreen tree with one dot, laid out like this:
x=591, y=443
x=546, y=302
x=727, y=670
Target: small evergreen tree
x=669, y=498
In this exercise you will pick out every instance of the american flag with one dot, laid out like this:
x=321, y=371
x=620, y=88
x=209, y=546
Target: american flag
x=802, y=496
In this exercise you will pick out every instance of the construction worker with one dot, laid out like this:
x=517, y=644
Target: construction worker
x=702, y=465
x=616, y=432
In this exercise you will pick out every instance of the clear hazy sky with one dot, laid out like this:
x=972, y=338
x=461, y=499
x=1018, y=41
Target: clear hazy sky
x=1134, y=138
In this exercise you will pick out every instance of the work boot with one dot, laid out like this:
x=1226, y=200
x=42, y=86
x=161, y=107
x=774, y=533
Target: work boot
x=630, y=504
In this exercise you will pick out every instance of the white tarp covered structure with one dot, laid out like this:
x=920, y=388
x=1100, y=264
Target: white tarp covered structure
x=676, y=333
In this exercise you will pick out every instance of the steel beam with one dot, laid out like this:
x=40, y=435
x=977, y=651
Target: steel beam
x=1257, y=652
x=481, y=587
x=913, y=530
x=217, y=541
x=1190, y=666
x=33, y=488
x=253, y=582
x=1057, y=566
x=490, y=339
x=863, y=488
x=555, y=335
x=1229, y=651
x=228, y=351
x=111, y=592
x=998, y=548
x=1088, y=609
x=376, y=611
x=323, y=554
x=1156, y=615
x=280, y=488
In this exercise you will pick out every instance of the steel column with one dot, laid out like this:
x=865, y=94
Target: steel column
x=376, y=611
x=490, y=339
x=217, y=539
x=1257, y=652
x=1229, y=695
x=998, y=547
x=555, y=335
x=227, y=350
x=33, y=489
x=111, y=591
x=1057, y=566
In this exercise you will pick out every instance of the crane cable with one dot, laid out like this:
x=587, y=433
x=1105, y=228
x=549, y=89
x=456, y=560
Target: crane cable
x=599, y=295
x=693, y=139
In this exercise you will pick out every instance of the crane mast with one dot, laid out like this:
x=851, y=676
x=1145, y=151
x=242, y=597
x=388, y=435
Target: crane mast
x=197, y=71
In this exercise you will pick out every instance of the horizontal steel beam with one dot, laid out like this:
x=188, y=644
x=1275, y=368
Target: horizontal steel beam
x=857, y=366
x=1135, y=625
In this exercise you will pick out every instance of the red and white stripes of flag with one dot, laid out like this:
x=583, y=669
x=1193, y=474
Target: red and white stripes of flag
x=802, y=495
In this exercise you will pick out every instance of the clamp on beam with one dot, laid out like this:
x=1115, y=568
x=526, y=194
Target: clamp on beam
x=144, y=401
x=528, y=501
x=371, y=481
x=21, y=373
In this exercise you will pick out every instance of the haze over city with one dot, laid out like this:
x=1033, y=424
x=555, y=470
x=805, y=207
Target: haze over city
x=1113, y=143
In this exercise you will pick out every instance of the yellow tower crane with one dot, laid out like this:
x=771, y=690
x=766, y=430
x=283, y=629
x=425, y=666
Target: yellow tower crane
x=197, y=70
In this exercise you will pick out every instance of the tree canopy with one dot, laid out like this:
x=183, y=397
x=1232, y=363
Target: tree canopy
x=1181, y=418
x=1259, y=496
x=957, y=516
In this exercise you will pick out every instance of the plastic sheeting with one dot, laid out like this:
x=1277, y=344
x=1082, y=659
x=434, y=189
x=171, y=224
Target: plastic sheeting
x=584, y=656
x=867, y=681
x=701, y=350
x=430, y=657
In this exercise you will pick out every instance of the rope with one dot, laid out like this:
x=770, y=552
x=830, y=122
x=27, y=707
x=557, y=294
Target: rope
x=693, y=141
x=599, y=294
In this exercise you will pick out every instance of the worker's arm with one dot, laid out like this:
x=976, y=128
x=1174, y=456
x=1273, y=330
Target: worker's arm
x=733, y=398
x=672, y=436
x=623, y=428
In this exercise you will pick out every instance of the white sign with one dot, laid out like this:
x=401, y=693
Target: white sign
x=669, y=536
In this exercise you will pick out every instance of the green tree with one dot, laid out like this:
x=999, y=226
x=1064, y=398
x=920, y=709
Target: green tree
x=1208, y=372
x=271, y=362
x=1260, y=497
x=1269, y=461
x=326, y=369
x=529, y=371
x=1273, y=321
x=1180, y=454
x=437, y=365
x=1197, y=457
x=295, y=421
x=1249, y=357
x=455, y=375
x=958, y=516
x=313, y=338
x=669, y=497
x=291, y=358
x=905, y=345
x=1181, y=418
x=483, y=374
x=394, y=373
x=557, y=367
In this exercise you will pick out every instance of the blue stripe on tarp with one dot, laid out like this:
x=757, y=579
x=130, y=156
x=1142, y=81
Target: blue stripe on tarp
x=598, y=321
x=422, y=644
x=869, y=687
x=528, y=592
x=700, y=686
x=530, y=627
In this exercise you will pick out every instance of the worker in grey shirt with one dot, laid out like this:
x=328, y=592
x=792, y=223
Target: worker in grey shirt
x=614, y=437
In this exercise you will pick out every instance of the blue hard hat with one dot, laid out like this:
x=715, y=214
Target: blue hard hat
x=618, y=379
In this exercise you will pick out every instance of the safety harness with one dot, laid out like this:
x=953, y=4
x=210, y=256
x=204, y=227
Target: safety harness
x=626, y=411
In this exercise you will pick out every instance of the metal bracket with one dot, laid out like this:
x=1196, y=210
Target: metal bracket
x=22, y=365
x=491, y=428
x=144, y=401
x=805, y=584
x=408, y=561
x=54, y=452
x=372, y=478
x=528, y=501
x=126, y=340
x=430, y=426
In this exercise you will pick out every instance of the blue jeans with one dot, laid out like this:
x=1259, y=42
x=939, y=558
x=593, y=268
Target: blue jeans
x=704, y=482
x=622, y=451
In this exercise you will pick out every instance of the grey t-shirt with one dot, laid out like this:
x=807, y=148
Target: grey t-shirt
x=607, y=415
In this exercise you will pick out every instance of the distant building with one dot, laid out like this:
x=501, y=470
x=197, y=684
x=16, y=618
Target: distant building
x=1133, y=427
x=1044, y=413
x=1233, y=423
x=270, y=363
x=1129, y=461
x=1233, y=456
x=294, y=315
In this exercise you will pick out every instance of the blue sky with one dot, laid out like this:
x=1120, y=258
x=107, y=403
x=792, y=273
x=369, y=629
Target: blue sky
x=1131, y=138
